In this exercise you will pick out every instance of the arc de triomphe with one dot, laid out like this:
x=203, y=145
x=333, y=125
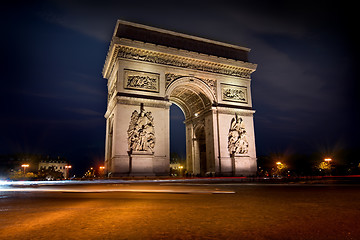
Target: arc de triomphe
x=148, y=69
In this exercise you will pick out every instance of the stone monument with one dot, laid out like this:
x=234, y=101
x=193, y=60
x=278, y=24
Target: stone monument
x=148, y=69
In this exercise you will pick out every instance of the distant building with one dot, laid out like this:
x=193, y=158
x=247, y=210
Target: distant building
x=175, y=166
x=59, y=165
x=176, y=169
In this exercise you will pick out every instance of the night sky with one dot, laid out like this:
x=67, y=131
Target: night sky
x=53, y=96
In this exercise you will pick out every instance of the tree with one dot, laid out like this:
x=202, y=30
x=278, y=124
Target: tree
x=20, y=175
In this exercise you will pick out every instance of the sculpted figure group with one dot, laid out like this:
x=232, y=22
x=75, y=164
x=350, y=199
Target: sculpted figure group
x=141, y=134
x=237, y=142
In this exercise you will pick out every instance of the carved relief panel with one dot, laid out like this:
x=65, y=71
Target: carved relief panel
x=237, y=142
x=234, y=93
x=139, y=80
x=141, y=134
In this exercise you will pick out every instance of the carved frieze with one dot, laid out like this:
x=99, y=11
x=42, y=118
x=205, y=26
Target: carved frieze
x=237, y=142
x=234, y=93
x=139, y=80
x=141, y=134
x=177, y=61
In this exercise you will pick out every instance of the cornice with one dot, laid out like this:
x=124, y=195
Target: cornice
x=139, y=51
x=159, y=30
x=233, y=110
x=133, y=99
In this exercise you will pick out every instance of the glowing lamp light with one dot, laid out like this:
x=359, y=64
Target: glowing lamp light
x=67, y=166
x=278, y=163
x=102, y=167
x=25, y=166
x=327, y=159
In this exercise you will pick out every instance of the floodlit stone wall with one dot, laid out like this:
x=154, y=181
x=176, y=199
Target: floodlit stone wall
x=144, y=79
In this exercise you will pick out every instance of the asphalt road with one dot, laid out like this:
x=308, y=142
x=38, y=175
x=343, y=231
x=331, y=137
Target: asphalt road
x=166, y=210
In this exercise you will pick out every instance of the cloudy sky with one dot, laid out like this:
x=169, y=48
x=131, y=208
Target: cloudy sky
x=53, y=97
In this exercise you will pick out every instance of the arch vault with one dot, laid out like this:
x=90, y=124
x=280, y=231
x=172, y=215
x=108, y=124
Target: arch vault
x=148, y=69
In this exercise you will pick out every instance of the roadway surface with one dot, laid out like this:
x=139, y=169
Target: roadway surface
x=178, y=210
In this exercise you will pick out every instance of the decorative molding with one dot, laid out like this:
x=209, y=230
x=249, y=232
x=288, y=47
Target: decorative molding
x=138, y=80
x=234, y=93
x=132, y=53
x=237, y=142
x=234, y=110
x=211, y=83
x=130, y=99
x=141, y=134
x=112, y=87
x=110, y=60
x=198, y=122
x=170, y=77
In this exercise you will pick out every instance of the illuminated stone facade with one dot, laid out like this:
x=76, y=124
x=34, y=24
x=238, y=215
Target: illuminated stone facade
x=148, y=69
x=58, y=165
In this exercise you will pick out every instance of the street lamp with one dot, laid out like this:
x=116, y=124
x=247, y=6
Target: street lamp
x=91, y=172
x=180, y=172
x=280, y=167
x=25, y=166
x=67, y=167
x=326, y=165
x=102, y=168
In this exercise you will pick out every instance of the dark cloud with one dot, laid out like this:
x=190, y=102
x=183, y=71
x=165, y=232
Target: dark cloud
x=84, y=111
x=53, y=94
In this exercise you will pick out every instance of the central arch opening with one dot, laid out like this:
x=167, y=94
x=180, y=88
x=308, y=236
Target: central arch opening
x=190, y=103
x=177, y=141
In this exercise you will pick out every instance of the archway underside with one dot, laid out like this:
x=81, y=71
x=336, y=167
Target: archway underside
x=191, y=101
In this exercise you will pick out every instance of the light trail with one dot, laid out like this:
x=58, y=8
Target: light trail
x=116, y=190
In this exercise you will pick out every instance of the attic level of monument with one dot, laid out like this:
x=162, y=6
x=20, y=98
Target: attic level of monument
x=180, y=41
x=178, y=50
